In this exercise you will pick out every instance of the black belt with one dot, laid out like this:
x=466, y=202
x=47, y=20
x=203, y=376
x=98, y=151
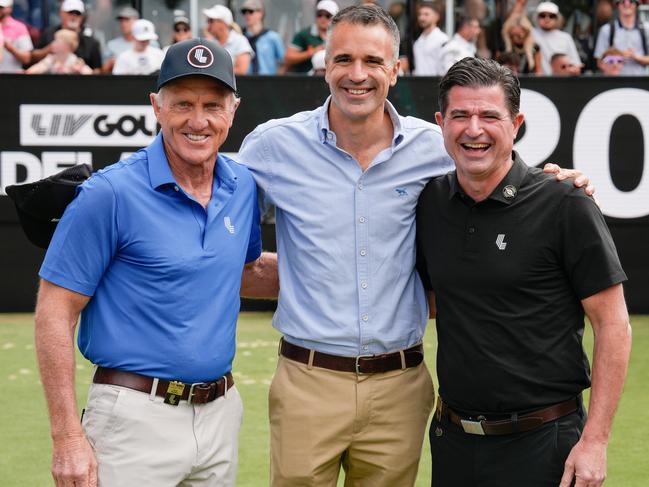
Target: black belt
x=172, y=391
x=479, y=425
x=363, y=364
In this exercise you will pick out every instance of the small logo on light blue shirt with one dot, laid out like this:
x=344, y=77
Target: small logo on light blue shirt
x=228, y=224
x=401, y=192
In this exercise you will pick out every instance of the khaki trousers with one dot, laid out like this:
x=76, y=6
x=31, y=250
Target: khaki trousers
x=141, y=441
x=371, y=425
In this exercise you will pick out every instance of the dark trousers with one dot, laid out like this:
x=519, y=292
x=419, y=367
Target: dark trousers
x=531, y=459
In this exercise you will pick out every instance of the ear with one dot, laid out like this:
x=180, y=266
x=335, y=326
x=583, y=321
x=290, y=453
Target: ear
x=439, y=119
x=518, y=121
x=154, y=104
x=395, y=72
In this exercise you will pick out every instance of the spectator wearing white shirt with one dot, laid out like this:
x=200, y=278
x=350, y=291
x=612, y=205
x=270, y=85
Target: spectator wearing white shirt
x=219, y=26
x=17, y=43
x=428, y=46
x=551, y=39
x=462, y=44
x=142, y=58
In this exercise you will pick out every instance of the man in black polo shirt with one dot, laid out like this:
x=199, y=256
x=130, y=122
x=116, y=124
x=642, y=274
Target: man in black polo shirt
x=513, y=260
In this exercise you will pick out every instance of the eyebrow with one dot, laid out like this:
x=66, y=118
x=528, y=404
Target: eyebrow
x=483, y=113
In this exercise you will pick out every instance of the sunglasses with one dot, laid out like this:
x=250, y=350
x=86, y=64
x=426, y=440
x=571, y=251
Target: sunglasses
x=617, y=2
x=324, y=14
x=613, y=60
x=546, y=15
x=566, y=66
x=181, y=29
x=247, y=11
x=74, y=12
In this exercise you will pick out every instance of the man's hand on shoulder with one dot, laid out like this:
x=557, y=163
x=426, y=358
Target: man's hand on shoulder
x=586, y=464
x=580, y=179
x=73, y=462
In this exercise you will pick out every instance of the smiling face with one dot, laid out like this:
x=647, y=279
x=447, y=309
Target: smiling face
x=360, y=69
x=479, y=132
x=195, y=114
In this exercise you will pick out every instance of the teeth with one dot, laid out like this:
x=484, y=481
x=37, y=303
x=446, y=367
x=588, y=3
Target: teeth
x=476, y=146
x=357, y=92
x=196, y=137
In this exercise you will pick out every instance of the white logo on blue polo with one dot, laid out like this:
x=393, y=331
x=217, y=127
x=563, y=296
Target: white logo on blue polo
x=200, y=56
x=500, y=242
x=228, y=224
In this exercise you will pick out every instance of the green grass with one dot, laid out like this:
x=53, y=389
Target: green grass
x=25, y=443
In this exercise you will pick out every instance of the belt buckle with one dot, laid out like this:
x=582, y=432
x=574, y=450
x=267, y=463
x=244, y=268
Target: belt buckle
x=473, y=427
x=194, y=386
x=357, y=364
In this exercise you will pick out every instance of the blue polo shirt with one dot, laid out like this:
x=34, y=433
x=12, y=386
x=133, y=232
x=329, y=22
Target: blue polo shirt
x=164, y=273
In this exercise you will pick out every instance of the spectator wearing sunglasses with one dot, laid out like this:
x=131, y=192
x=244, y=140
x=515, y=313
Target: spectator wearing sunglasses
x=562, y=65
x=267, y=44
x=182, y=30
x=310, y=40
x=628, y=34
x=612, y=62
x=551, y=39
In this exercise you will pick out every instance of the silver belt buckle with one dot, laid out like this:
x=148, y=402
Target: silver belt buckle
x=473, y=427
x=358, y=357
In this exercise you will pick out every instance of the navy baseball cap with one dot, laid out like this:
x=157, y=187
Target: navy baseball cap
x=200, y=57
x=40, y=205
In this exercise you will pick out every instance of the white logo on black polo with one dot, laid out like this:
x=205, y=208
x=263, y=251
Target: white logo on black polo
x=200, y=57
x=500, y=242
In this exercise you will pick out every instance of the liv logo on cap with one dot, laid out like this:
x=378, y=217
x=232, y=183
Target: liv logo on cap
x=200, y=57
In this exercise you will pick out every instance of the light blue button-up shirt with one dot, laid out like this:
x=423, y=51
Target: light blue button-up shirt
x=346, y=238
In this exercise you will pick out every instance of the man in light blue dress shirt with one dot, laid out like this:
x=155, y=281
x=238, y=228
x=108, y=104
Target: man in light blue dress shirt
x=345, y=179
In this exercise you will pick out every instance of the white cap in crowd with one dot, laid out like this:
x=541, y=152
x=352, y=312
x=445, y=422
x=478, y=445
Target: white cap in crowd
x=547, y=7
x=219, y=12
x=6, y=3
x=144, y=30
x=73, y=6
x=328, y=6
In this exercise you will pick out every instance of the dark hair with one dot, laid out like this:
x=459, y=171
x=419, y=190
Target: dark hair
x=431, y=5
x=476, y=72
x=556, y=56
x=368, y=14
x=465, y=20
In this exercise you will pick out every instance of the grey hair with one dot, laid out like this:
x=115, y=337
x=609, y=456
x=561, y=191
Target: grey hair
x=476, y=72
x=368, y=15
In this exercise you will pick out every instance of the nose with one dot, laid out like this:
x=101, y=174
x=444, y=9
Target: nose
x=198, y=120
x=474, y=127
x=357, y=73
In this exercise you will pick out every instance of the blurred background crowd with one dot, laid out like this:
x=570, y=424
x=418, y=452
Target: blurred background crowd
x=276, y=37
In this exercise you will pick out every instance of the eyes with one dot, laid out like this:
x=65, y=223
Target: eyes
x=345, y=60
x=212, y=107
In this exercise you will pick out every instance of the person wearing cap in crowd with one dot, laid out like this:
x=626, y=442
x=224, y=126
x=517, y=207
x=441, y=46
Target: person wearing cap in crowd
x=142, y=58
x=307, y=41
x=182, y=28
x=219, y=26
x=72, y=14
x=151, y=254
x=267, y=44
x=611, y=62
x=628, y=34
x=551, y=39
x=17, y=42
x=116, y=46
x=61, y=59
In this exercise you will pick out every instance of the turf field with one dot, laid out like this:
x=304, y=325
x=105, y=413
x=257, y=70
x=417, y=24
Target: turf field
x=24, y=434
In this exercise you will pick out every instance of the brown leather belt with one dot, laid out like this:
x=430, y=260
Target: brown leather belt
x=172, y=391
x=363, y=364
x=478, y=425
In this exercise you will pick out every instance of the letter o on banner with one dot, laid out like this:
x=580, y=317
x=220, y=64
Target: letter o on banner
x=542, y=128
x=591, y=149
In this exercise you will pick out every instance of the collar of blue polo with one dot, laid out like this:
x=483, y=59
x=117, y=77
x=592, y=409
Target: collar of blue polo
x=323, y=122
x=160, y=173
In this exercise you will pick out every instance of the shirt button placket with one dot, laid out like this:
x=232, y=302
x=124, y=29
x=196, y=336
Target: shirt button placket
x=362, y=262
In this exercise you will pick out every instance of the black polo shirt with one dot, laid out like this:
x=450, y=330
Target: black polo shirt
x=509, y=273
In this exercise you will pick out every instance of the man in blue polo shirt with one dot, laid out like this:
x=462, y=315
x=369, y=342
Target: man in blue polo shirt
x=151, y=254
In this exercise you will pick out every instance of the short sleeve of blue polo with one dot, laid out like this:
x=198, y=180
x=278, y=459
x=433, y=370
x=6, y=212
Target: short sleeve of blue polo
x=163, y=272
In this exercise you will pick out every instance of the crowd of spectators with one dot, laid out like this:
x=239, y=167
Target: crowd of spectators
x=530, y=37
